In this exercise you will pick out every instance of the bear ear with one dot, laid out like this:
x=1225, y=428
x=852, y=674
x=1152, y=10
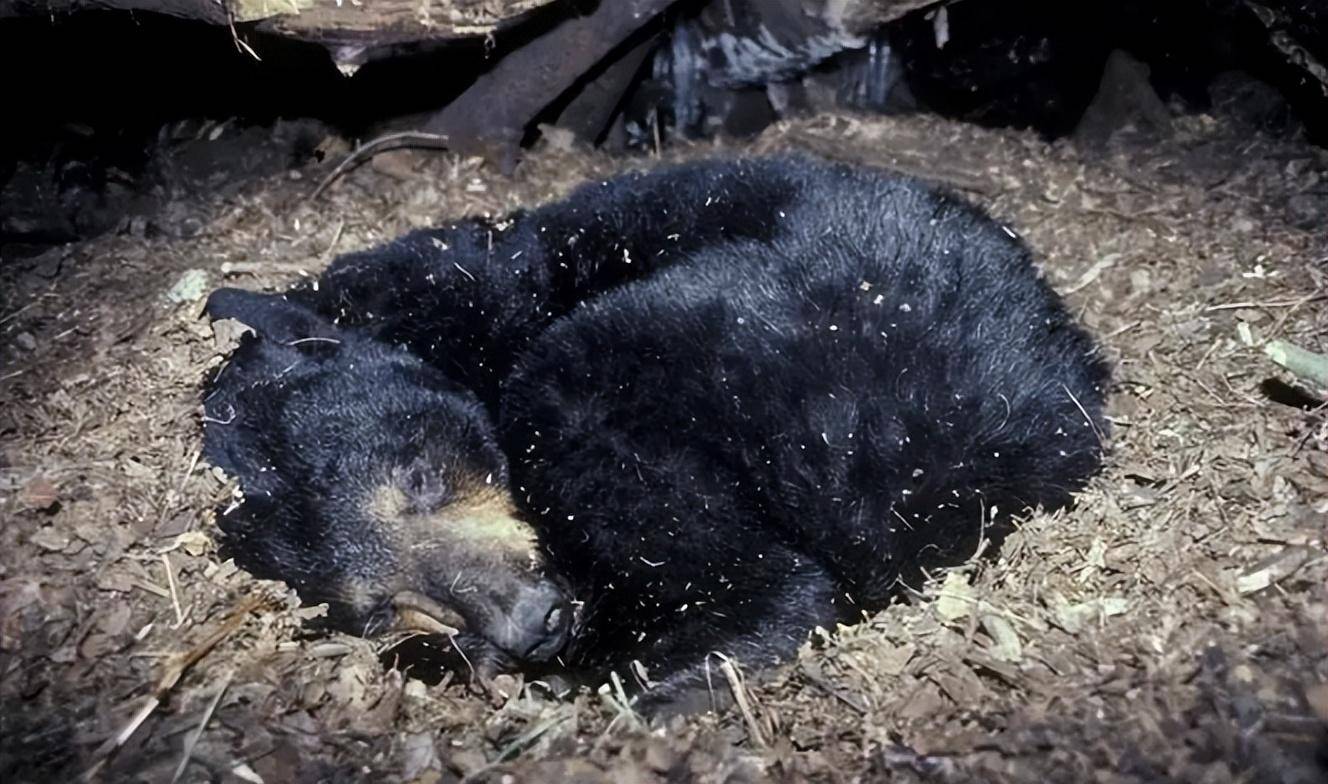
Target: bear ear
x=272, y=316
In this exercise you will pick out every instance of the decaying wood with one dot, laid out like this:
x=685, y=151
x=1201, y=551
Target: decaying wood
x=382, y=20
x=201, y=10
x=327, y=21
x=590, y=112
x=490, y=117
x=1308, y=365
x=863, y=16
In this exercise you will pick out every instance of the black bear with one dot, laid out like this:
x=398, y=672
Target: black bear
x=732, y=400
x=373, y=483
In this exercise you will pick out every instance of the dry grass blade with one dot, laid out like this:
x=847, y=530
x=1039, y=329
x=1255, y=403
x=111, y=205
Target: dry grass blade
x=743, y=698
x=615, y=697
x=175, y=669
x=181, y=664
x=175, y=590
x=193, y=739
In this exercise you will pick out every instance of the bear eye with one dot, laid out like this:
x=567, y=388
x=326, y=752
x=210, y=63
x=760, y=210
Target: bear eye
x=425, y=488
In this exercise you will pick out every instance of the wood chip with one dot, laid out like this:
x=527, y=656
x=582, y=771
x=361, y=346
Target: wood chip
x=1317, y=697
x=1006, y=645
x=1272, y=570
x=956, y=597
x=39, y=493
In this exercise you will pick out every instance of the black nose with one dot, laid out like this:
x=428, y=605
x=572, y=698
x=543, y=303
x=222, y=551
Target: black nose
x=541, y=620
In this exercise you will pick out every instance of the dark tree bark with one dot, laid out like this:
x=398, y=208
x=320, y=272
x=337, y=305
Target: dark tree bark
x=491, y=116
x=588, y=114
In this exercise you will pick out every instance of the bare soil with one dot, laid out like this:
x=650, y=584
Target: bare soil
x=1172, y=627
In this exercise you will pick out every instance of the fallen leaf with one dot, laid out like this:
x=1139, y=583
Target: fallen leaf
x=956, y=599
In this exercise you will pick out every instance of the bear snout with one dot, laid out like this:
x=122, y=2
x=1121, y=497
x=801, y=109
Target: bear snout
x=538, y=625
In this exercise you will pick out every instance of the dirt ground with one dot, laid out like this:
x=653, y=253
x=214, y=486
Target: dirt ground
x=1173, y=627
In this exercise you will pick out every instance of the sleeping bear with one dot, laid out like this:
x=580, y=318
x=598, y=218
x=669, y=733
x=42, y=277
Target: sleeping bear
x=696, y=411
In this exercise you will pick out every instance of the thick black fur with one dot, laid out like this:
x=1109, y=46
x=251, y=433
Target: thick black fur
x=312, y=420
x=740, y=399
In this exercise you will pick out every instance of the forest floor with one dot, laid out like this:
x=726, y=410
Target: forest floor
x=1172, y=627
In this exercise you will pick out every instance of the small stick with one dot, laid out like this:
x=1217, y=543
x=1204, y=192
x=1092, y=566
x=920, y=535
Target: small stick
x=1291, y=311
x=104, y=750
x=173, y=672
x=332, y=246
x=174, y=494
x=436, y=141
x=17, y=313
x=1093, y=272
x=300, y=341
x=175, y=591
x=192, y=740
x=1289, y=303
x=740, y=695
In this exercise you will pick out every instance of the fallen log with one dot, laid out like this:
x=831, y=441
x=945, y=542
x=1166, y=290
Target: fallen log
x=332, y=23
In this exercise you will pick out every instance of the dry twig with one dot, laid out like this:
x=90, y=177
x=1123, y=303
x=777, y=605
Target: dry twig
x=174, y=671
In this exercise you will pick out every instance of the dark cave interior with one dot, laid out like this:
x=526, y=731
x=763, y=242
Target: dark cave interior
x=106, y=92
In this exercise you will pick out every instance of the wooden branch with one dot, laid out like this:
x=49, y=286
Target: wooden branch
x=1306, y=364
x=864, y=16
x=589, y=113
x=490, y=117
